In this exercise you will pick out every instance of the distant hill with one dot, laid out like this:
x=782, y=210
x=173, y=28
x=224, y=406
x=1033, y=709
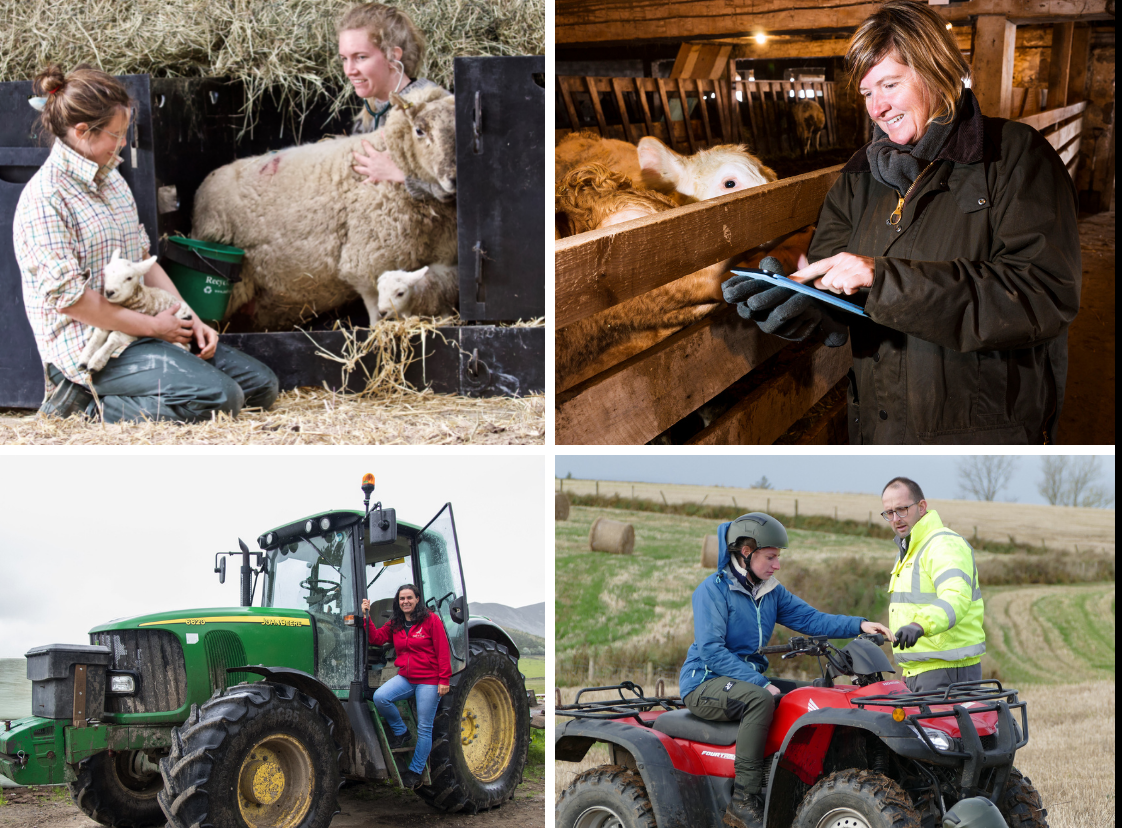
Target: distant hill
x=529, y=619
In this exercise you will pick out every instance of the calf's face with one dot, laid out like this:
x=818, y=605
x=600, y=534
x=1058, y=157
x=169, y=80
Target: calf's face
x=707, y=174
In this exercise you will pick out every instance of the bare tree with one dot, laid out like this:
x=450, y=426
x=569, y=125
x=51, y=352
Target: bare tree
x=1071, y=481
x=981, y=477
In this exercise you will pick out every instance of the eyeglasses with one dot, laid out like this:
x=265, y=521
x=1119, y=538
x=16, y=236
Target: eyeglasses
x=902, y=512
x=120, y=138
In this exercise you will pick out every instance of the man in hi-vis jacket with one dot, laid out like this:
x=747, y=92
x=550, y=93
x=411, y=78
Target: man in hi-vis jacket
x=936, y=601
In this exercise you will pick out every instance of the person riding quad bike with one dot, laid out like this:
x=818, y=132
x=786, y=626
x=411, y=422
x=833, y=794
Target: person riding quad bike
x=735, y=611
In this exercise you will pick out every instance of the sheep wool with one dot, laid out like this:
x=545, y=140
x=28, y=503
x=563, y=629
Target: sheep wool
x=314, y=234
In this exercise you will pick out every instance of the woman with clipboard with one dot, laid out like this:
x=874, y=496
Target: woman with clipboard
x=957, y=234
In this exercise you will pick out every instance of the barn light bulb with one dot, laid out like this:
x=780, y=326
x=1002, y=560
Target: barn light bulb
x=761, y=38
x=948, y=25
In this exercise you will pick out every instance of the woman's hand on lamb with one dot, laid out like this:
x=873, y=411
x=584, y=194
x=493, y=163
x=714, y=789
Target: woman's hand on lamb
x=206, y=336
x=170, y=328
x=374, y=166
x=841, y=273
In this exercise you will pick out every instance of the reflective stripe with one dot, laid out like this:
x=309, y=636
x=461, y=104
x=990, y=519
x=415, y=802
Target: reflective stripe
x=917, y=597
x=948, y=609
x=953, y=573
x=956, y=654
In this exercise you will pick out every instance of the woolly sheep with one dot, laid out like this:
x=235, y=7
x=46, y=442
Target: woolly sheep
x=810, y=120
x=434, y=290
x=124, y=286
x=315, y=234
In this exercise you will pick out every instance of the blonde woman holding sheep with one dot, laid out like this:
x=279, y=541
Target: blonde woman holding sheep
x=73, y=213
x=381, y=49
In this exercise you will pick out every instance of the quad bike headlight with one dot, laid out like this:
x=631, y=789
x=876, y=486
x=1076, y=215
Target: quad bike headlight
x=940, y=739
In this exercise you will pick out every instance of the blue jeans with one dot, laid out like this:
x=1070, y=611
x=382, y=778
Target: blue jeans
x=398, y=688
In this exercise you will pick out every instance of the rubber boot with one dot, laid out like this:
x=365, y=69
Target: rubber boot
x=745, y=810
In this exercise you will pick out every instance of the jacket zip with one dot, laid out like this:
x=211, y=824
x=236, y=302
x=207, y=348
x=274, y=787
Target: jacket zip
x=894, y=219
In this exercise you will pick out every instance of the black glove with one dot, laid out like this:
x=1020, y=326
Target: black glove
x=781, y=311
x=907, y=635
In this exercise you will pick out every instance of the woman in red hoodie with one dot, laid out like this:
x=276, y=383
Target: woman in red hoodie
x=423, y=670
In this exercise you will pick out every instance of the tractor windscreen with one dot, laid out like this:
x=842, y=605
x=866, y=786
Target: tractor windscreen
x=314, y=574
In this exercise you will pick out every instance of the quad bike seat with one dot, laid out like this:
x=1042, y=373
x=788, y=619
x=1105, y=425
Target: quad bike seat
x=682, y=724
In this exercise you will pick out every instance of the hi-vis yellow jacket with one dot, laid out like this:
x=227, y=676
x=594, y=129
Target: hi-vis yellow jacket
x=936, y=586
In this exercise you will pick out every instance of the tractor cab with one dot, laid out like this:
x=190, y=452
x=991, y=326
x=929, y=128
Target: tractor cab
x=327, y=563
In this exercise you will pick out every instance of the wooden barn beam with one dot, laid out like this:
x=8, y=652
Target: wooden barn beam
x=994, y=43
x=1059, y=68
x=795, y=47
x=618, y=21
x=1080, y=59
x=706, y=61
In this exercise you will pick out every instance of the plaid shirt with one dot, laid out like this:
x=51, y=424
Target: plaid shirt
x=70, y=217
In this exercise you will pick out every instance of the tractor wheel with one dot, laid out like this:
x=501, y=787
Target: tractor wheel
x=480, y=735
x=119, y=789
x=609, y=796
x=259, y=755
x=1021, y=804
x=855, y=798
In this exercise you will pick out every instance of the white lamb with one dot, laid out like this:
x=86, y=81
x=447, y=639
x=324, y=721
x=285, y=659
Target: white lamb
x=434, y=290
x=124, y=286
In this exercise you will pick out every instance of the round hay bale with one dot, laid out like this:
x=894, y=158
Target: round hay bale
x=560, y=506
x=611, y=536
x=709, y=551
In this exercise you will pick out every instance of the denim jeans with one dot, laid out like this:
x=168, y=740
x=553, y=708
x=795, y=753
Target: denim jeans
x=156, y=380
x=399, y=688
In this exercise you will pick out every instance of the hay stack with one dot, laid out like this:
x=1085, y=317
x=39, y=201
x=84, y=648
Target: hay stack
x=561, y=506
x=709, y=552
x=611, y=536
x=285, y=52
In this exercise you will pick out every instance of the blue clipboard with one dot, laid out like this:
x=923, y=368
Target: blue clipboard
x=799, y=287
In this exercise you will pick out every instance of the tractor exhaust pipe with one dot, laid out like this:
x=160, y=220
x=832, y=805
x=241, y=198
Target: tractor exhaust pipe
x=245, y=573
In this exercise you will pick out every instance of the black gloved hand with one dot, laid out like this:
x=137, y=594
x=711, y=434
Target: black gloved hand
x=781, y=311
x=907, y=635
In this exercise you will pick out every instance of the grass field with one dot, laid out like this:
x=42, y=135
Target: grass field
x=533, y=668
x=1060, y=527
x=1055, y=643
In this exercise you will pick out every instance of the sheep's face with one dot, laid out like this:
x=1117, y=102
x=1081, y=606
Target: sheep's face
x=122, y=277
x=396, y=289
x=432, y=134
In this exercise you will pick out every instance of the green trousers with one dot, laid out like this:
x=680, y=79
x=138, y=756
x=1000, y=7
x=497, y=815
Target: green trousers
x=727, y=700
x=155, y=380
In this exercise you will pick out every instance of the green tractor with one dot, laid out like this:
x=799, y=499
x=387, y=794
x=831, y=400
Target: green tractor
x=255, y=715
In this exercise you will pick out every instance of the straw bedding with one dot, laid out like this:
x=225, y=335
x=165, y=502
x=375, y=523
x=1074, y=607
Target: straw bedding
x=387, y=411
x=284, y=51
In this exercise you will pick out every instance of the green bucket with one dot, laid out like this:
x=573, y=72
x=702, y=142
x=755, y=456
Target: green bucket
x=202, y=273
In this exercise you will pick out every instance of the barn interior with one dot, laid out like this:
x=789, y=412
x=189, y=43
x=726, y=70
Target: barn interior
x=628, y=69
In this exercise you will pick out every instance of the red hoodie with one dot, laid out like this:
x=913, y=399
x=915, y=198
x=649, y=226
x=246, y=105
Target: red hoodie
x=422, y=651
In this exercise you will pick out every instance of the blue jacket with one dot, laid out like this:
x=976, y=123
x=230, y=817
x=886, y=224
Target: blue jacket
x=730, y=627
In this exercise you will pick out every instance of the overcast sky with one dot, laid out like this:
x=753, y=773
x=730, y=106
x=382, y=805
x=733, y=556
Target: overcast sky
x=862, y=474
x=85, y=539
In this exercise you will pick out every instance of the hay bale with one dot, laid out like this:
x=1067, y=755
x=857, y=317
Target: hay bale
x=611, y=536
x=560, y=506
x=709, y=551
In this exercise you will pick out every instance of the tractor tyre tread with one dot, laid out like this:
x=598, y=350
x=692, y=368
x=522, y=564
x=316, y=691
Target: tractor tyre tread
x=610, y=785
x=99, y=795
x=1021, y=804
x=202, y=744
x=881, y=795
x=453, y=789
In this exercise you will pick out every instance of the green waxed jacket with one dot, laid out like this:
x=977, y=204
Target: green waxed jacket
x=973, y=290
x=936, y=586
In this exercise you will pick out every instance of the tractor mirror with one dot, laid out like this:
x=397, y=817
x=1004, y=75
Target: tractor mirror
x=221, y=570
x=382, y=527
x=457, y=610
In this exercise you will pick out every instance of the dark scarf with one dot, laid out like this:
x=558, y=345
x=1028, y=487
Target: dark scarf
x=899, y=165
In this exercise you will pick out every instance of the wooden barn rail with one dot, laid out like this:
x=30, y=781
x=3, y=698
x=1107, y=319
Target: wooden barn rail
x=640, y=398
x=1063, y=129
x=630, y=108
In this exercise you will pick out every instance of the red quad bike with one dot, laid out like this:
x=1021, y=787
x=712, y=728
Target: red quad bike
x=866, y=755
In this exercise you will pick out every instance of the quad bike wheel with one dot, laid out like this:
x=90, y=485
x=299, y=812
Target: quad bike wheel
x=119, y=789
x=856, y=798
x=1021, y=805
x=481, y=734
x=259, y=755
x=609, y=796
